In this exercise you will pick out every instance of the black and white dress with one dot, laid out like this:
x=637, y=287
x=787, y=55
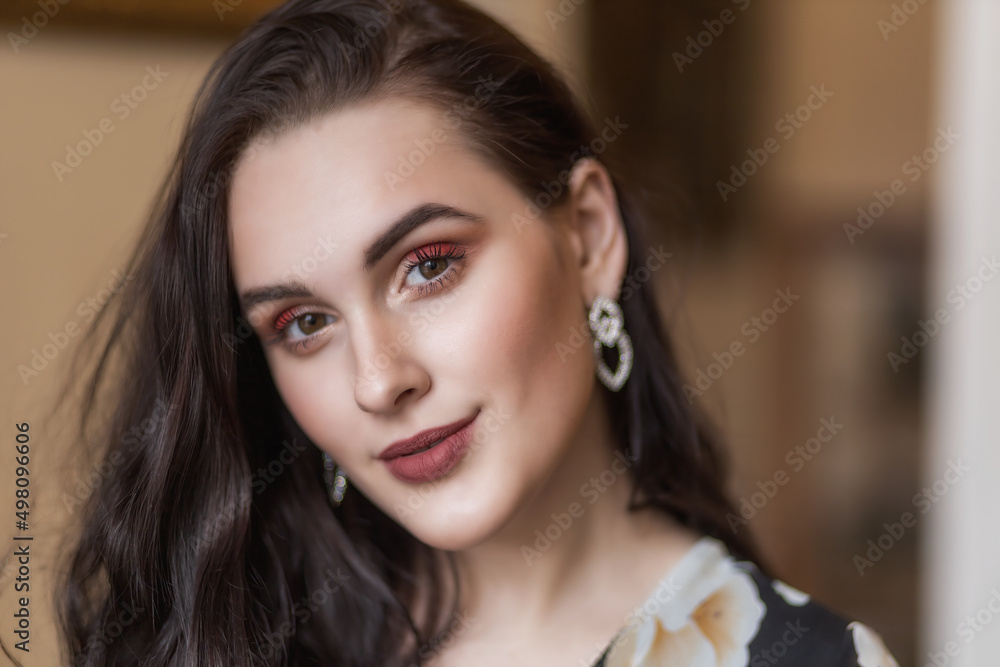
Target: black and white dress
x=712, y=611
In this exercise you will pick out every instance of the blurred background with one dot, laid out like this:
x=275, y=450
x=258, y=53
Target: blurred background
x=822, y=172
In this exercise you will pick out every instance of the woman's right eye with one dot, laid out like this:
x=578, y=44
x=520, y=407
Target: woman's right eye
x=309, y=323
x=298, y=327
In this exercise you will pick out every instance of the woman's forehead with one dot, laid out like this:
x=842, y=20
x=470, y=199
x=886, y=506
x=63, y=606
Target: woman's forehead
x=346, y=174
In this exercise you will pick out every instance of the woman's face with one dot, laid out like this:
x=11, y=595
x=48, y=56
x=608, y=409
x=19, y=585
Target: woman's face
x=373, y=334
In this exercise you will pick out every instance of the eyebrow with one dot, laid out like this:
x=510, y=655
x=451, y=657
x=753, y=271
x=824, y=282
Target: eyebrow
x=373, y=254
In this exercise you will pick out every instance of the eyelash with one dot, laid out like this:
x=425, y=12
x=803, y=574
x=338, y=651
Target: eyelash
x=450, y=252
x=430, y=252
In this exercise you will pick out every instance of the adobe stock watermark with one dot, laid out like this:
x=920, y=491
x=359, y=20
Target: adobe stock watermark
x=562, y=13
x=259, y=481
x=967, y=629
x=915, y=167
x=221, y=522
x=299, y=271
x=778, y=649
x=127, y=615
x=289, y=453
x=655, y=260
x=492, y=421
x=899, y=17
x=223, y=7
x=786, y=126
x=59, y=339
x=219, y=180
x=753, y=329
x=696, y=44
x=455, y=117
x=551, y=190
x=418, y=323
x=122, y=106
x=592, y=490
x=926, y=330
x=87, y=483
x=580, y=335
x=797, y=458
x=31, y=25
x=303, y=611
x=666, y=591
x=310, y=263
x=428, y=651
x=924, y=502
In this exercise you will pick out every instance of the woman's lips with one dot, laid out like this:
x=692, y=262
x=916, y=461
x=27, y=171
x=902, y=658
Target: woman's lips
x=423, y=439
x=428, y=465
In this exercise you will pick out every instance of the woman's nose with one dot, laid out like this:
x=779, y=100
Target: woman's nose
x=386, y=374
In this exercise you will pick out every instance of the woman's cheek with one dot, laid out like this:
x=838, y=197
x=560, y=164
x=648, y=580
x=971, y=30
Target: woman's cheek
x=519, y=315
x=308, y=393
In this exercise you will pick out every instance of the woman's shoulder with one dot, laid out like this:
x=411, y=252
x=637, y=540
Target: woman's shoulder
x=795, y=627
x=711, y=609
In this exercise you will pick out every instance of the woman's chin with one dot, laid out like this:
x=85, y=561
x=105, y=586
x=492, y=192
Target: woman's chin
x=451, y=540
x=455, y=531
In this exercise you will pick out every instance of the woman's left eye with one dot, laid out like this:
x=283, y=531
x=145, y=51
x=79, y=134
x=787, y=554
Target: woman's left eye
x=429, y=267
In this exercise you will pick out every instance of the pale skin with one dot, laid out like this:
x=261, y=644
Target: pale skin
x=385, y=361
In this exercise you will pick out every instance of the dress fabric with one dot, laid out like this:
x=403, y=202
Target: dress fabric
x=712, y=611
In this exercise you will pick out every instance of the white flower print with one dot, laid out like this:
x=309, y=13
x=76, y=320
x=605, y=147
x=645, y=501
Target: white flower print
x=870, y=648
x=791, y=595
x=708, y=623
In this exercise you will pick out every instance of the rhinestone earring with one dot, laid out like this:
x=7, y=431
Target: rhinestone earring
x=608, y=326
x=335, y=480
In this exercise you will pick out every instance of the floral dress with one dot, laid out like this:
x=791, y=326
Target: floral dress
x=711, y=611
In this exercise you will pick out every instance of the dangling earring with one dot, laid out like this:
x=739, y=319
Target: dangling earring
x=335, y=480
x=610, y=330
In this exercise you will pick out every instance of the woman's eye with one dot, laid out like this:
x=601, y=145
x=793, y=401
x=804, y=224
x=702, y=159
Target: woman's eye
x=429, y=267
x=310, y=323
x=296, y=325
x=428, y=270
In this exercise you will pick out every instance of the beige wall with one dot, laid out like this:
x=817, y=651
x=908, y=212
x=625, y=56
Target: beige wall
x=66, y=234
x=826, y=356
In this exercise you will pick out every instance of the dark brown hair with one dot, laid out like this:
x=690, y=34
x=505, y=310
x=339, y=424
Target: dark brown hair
x=183, y=557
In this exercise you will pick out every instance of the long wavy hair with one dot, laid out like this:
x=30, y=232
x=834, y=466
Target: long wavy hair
x=189, y=553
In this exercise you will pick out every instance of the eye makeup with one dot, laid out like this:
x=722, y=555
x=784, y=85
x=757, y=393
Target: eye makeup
x=432, y=254
x=287, y=328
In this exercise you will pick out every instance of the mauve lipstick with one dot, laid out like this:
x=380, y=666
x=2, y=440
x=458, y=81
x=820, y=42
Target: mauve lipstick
x=439, y=460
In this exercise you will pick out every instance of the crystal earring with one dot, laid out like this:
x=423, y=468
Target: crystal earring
x=608, y=326
x=335, y=480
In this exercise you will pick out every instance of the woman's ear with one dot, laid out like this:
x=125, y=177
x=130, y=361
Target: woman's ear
x=597, y=232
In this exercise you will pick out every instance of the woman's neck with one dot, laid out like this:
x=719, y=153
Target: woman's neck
x=573, y=544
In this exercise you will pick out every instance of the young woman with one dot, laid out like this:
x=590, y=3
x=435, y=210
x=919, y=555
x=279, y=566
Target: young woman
x=411, y=398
